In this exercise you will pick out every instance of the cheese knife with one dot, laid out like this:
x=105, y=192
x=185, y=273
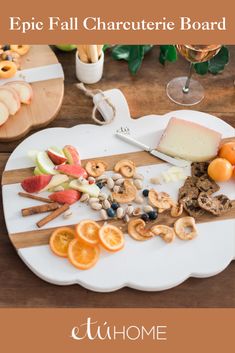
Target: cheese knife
x=174, y=161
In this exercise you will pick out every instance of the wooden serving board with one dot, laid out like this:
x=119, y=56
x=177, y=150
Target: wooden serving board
x=141, y=159
x=46, y=102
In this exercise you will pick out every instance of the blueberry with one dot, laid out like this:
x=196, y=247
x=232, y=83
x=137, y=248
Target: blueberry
x=115, y=206
x=110, y=212
x=6, y=47
x=100, y=185
x=145, y=217
x=152, y=215
x=146, y=192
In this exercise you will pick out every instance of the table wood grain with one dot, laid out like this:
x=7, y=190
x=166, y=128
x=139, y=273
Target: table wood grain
x=145, y=93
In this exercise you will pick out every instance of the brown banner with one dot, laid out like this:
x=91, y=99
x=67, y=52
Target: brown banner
x=116, y=330
x=119, y=21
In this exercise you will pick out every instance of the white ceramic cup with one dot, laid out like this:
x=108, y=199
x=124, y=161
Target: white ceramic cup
x=89, y=73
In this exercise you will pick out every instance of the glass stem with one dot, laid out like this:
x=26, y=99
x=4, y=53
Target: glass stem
x=187, y=83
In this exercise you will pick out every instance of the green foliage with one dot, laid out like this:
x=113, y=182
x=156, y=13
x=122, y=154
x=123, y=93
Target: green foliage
x=134, y=55
x=167, y=53
x=201, y=68
x=215, y=65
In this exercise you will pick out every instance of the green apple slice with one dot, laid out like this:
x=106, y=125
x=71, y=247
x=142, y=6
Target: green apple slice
x=91, y=189
x=32, y=154
x=44, y=163
x=55, y=181
x=37, y=171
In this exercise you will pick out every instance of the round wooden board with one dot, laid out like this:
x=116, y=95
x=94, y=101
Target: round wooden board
x=46, y=102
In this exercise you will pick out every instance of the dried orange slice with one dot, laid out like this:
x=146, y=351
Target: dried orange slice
x=111, y=237
x=60, y=239
x=88, y=231
x=81, y=255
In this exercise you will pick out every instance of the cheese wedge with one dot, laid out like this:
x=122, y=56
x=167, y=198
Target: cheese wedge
x=190, y=141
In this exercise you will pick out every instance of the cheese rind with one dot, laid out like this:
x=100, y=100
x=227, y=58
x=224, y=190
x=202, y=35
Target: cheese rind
x=190, y=141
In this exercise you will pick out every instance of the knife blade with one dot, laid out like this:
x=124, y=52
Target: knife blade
x=36, y=74
x=174, y=161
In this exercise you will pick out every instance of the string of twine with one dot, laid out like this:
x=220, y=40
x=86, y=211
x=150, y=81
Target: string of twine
x=92, y=93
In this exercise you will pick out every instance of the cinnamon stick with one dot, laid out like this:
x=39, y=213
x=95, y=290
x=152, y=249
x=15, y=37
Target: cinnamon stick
x=46, y=207
x=34, y=197
x=53, y=215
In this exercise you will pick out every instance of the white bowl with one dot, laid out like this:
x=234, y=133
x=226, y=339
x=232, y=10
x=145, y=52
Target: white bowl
x=89, y=72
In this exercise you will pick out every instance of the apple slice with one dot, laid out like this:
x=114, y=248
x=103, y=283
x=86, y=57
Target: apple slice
x=10, y=98
x=32, y=154
x=66, y=196
x=4, y=113
x=56, y=180
x=37, y=171
x=44, y=164
x=74, y=171
x=35, y=183
x=23, y=89
x=56, y=155
x=72, y=155
x=91, y=189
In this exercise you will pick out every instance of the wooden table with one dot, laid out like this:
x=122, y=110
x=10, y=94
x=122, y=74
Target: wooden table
x=145, y=94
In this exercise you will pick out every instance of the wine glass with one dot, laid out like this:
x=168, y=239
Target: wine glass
x=184, y=90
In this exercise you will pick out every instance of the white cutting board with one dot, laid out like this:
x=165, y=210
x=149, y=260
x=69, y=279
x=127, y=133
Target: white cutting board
x=152, y=265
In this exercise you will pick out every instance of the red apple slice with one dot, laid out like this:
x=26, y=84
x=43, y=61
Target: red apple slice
x=4, y=113
x=23, y=89
x=10, y=98
x=36, y=183
x=72, y=155
x=56, y=155
x=75, y=171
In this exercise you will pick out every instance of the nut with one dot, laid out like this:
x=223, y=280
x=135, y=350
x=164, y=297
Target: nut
x=120, y=213
x=126, y=167
x=129, y=210
x=137, y=230
x=102, y=178
x=110, y=183
x=96, y=206
x=93, y=199
x=147, y=208
x=116, y=176
x=116, y=188
x=95, y=168
x=139, y=199
x=106, y=204
x=110, y=198
x=128, y=195
x=67, y=214
x=156, y=181
x=126, y=218
x=103, y=196
x=185, y=228
x=84, y=198
x=119, y=182
x=137, y=211
x=138, y=176
x=103, y=215
x=138, y=183
x=165, y=232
